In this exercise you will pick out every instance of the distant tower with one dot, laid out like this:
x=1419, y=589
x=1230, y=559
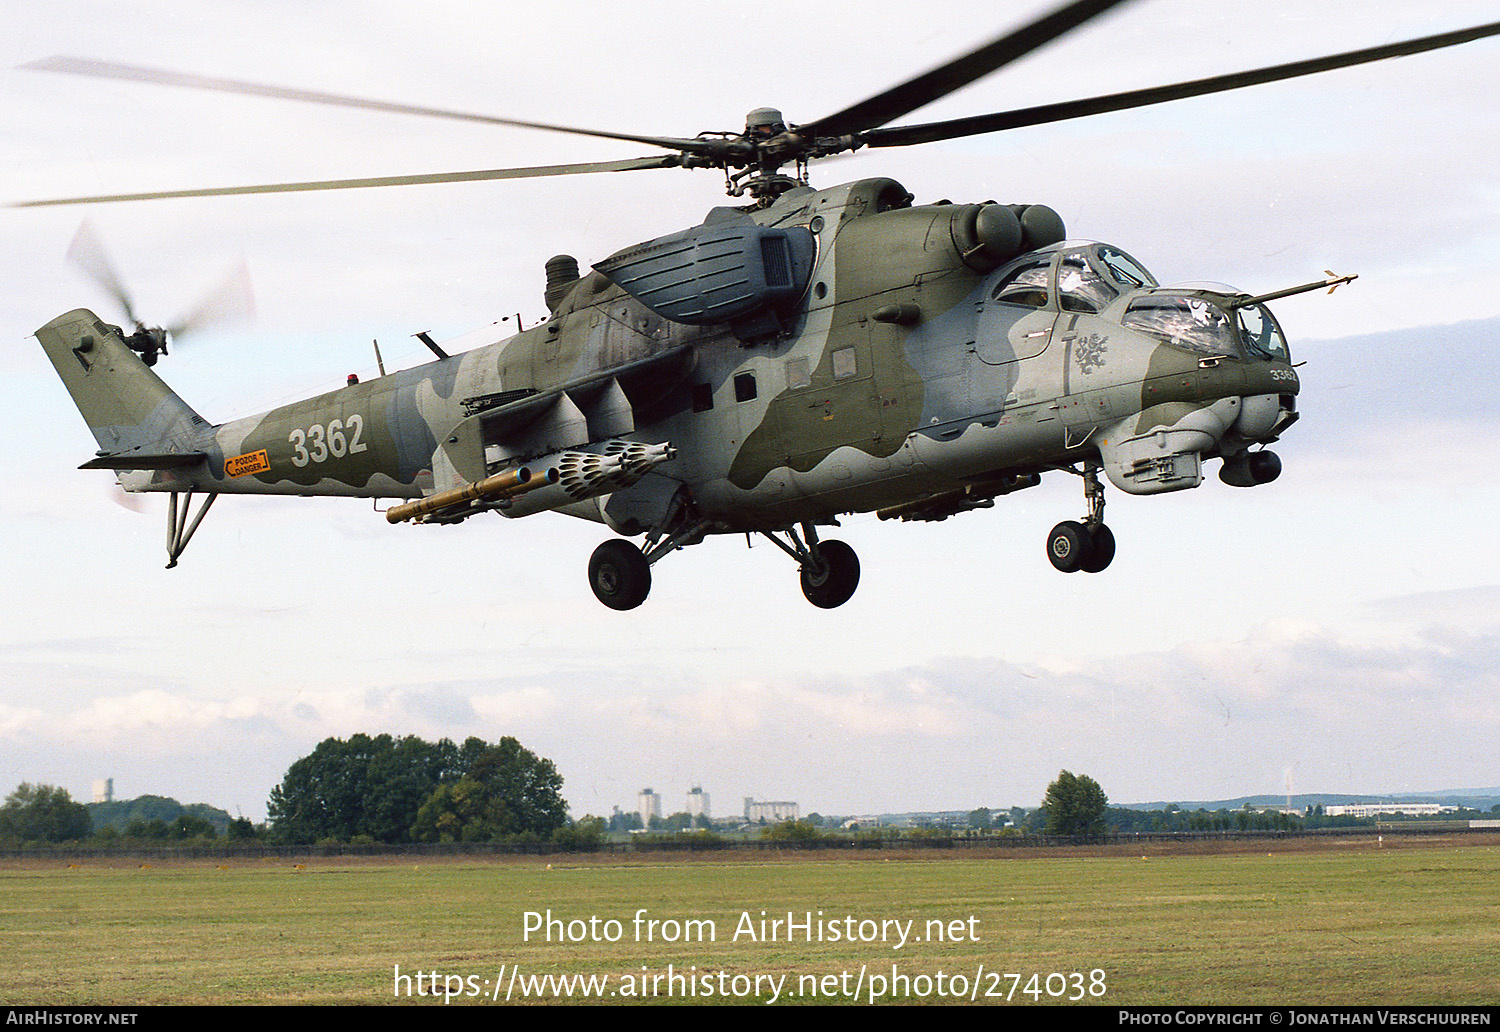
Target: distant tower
x=104, y=790
x=697, y=804
x=650, y=806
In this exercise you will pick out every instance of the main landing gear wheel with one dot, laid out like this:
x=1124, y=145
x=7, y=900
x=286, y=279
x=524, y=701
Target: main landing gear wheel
x=1074, y=546
x=1067, y=546
x=1088, y=546
x=830, y=575
x=619, y=574
x=1101, y=549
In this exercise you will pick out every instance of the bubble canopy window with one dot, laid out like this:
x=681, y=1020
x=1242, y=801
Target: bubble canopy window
x=1077, y=277
x=1208, y=325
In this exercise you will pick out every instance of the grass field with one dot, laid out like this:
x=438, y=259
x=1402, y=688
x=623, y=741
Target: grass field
x=1347, y=922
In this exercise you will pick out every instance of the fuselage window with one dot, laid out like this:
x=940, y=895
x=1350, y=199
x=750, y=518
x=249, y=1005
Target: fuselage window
x=844, y=364
x=1025, y=285
x=1081, y=288
x=1125, y=269
x=797, y=373
x=744, y=387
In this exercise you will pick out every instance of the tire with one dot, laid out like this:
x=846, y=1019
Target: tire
x=619, y=574
x=1068, y=546
x=1101, y=550
x=832, y=581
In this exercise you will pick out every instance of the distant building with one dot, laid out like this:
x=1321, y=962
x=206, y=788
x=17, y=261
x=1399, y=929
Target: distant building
x=1376, y=809
x=649, y=804
x=697, y=803
x=104, y=790
x=770, y=812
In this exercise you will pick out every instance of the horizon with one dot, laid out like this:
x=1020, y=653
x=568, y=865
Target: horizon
x=1412, y=797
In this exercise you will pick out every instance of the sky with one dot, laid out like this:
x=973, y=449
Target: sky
x=1336, y=631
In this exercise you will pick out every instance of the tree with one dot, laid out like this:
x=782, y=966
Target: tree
x=399, y=789
x=241, y=830
x=43, y=813
x=525, y=789
x=187, y=826
x=365, y=786
x=792, y=833
x=459, y=812
x=1074, y=805
x=619, y=821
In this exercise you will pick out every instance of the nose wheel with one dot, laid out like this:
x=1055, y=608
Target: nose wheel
x=1088, y=545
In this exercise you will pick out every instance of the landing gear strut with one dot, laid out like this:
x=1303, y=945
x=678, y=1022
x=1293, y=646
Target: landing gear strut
x=1090, y=545
x=830, y=569
x=620, y=573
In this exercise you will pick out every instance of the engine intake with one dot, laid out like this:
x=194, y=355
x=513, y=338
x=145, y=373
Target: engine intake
x=989, y=235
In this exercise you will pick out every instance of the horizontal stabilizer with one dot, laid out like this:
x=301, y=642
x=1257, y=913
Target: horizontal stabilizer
x=145, y=460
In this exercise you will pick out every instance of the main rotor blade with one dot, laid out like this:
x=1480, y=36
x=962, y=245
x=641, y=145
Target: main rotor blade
x=627, y=165
x=974, y=125
x=162, y=77
x=941, y=81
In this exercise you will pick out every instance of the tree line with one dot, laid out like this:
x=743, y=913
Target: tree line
x=380, y=789
x=398, y=790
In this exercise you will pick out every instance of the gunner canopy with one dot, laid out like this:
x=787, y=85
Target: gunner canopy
x=1208, y=325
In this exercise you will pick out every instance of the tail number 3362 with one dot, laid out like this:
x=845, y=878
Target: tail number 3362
x=319, y=443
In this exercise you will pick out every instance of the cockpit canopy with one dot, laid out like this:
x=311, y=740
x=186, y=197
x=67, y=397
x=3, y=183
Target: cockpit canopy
x=1210, y=324
x=1088, y=277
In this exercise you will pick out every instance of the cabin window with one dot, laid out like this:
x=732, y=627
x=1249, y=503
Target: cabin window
x=1125, y=269
x=1081, y=288
x=703, y=397
x=844, y=364
x=744, y=387
x=797, y=374
x=1258, y=329
x=1024, y=285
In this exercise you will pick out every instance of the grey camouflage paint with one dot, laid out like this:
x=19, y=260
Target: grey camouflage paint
x=897, y=378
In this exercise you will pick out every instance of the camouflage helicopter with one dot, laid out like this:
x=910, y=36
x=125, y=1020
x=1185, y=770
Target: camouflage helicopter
x=806, y=354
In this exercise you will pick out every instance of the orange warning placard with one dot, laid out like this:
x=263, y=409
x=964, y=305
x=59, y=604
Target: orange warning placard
x=242, y=465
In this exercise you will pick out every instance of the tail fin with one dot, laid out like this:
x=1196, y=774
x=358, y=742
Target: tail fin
x=136, y=418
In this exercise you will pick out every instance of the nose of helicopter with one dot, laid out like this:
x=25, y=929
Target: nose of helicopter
x=1258, y=416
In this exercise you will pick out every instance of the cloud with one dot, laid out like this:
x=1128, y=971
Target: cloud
x=1403, y=697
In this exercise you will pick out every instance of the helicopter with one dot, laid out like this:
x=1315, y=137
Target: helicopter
x=809, y=353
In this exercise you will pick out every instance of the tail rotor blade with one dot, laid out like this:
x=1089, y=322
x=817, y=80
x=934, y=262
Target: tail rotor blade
x=230, y=302
x=87, y=252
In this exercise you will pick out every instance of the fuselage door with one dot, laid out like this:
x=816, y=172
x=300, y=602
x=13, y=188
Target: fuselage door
x=1015, y=319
